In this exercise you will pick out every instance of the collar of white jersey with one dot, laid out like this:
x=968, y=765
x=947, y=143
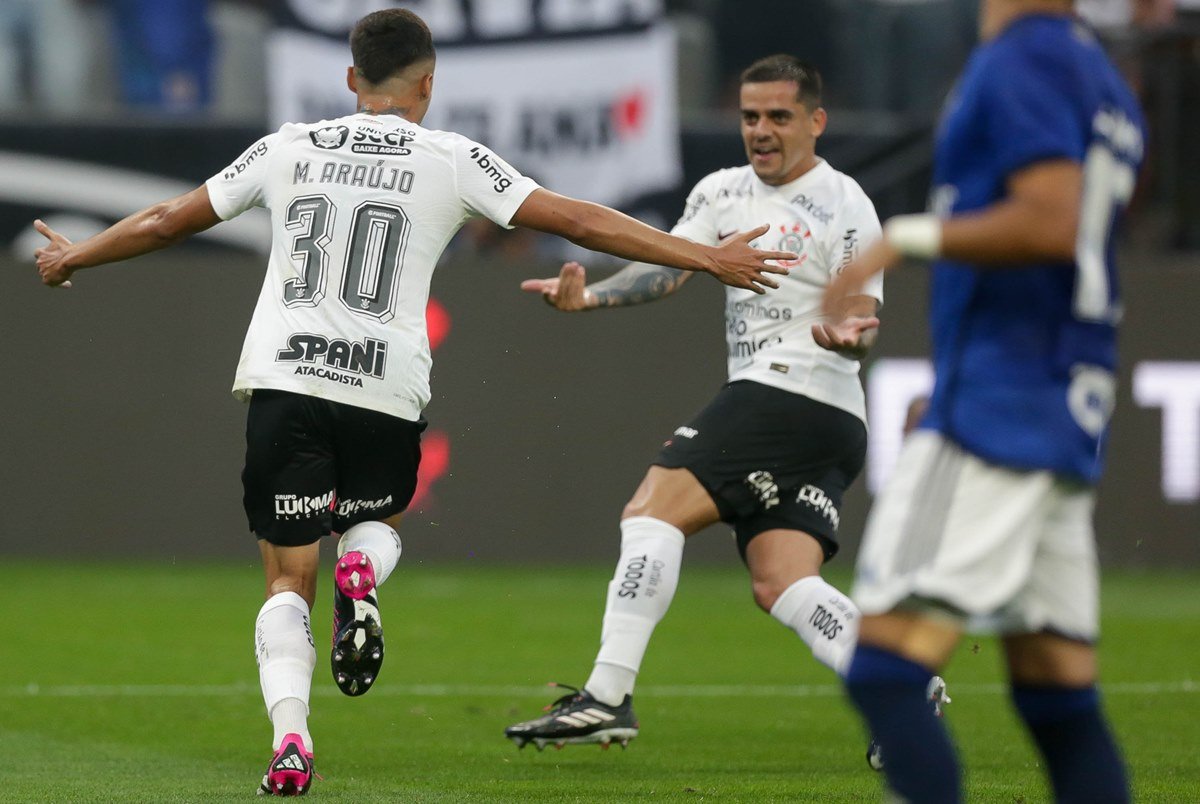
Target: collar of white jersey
x=814, y=175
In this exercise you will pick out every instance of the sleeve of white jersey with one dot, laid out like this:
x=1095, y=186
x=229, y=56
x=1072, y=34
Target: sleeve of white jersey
x=488, y=185
x=857, y=227
x=242, y=185
x=699, y=220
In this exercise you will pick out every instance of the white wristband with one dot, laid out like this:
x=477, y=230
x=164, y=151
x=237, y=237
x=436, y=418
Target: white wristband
x=917, y=236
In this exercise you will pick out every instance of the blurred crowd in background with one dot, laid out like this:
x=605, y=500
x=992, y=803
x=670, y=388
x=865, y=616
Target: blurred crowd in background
x=173, y=56
x=79, y=57
x=180, y=58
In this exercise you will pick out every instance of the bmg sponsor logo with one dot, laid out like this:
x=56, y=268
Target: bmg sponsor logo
x=849, y=248
x=239, y=167
x=492, y=168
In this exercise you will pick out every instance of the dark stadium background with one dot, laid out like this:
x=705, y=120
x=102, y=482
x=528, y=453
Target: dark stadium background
x=118, y=435
x=121, y=437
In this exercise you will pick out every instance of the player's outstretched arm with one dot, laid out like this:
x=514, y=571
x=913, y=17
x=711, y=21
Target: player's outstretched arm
x=155, y=227
x=636, y=283
x=1037, y=220
x=849, y=282
x=599, y=228
x=851, y=332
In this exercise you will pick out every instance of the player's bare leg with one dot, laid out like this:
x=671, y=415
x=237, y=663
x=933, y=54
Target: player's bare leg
x=286, y=658
x=785, y=570
x=925, y=639
x=1053, y=682
x=367, y=554
x=669, y=505
x=785, y=567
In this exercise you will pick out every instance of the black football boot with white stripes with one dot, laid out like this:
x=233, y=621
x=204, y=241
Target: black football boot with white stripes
x=577, y=717
x=357, y=654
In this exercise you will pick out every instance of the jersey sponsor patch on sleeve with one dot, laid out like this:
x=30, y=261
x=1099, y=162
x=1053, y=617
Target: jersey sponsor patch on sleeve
x=493, y=168
x=257, y=151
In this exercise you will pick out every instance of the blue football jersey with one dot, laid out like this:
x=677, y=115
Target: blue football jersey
x=1025, y=356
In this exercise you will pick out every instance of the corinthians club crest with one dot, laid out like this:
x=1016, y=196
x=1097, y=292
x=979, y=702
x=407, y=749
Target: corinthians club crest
x=794, y=238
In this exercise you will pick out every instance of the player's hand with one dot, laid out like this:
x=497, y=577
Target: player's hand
x=740, y=265
x=846, y=336
x=851, y=279
x=50, y=257
x=567, y=292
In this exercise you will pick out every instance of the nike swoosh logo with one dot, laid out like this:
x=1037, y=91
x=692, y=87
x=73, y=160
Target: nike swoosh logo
x=723, y=235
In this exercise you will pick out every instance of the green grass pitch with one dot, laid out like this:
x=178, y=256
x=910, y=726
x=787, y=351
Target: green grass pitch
x=138, y=683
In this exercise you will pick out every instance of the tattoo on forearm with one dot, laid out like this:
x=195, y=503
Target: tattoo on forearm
x=636, y=284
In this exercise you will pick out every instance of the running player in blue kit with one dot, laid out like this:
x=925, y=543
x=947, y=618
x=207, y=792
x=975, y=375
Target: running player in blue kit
x=989, y=511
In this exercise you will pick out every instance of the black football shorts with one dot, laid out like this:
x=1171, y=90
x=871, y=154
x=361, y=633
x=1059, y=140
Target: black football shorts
x=771, y=459
x=314, y=467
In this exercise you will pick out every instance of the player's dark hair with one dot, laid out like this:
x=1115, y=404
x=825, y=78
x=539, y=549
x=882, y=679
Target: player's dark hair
x=782, y=67
x=386, y=42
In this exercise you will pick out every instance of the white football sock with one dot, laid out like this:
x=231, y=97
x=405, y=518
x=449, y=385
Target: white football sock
x=378, y=542
x=283, y=646
x=290, y=716
x=638, y=597
x=824, y=618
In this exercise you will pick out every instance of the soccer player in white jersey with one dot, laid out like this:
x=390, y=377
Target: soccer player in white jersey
x=336, y=360
x=773, y=453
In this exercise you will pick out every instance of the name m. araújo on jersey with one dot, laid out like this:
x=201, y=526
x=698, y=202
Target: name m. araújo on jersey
x=377, y=177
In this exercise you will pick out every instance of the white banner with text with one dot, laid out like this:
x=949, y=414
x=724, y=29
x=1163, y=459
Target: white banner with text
x=592, y=116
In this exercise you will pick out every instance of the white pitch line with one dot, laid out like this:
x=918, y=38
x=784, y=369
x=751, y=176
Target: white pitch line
x=500, y=691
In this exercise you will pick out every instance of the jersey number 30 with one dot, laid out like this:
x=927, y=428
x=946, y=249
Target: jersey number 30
x=372, y=263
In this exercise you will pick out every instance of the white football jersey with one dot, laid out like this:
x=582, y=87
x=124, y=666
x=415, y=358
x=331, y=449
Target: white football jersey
x=825, y=218
x=361, y=209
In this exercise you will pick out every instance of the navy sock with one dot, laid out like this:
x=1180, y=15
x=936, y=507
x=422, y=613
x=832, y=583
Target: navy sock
x=1080, y=752
x=918, y=756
